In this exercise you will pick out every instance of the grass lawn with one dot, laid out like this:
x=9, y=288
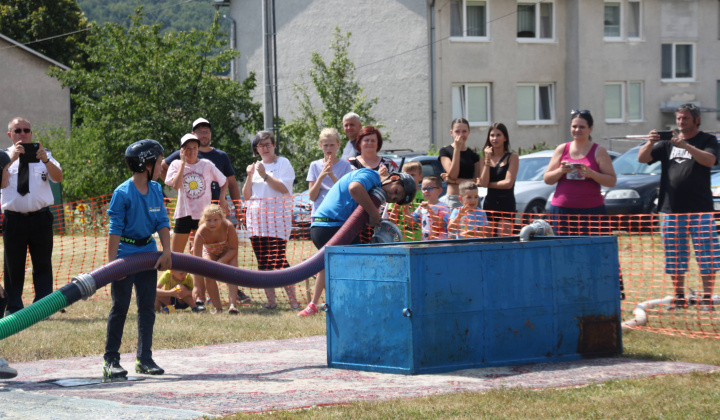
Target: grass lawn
x=81, y=332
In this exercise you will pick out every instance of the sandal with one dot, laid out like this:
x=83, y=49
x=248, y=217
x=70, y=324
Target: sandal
x=232, y=310
x=268, y=306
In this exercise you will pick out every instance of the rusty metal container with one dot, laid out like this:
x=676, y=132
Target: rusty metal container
x=428, y=307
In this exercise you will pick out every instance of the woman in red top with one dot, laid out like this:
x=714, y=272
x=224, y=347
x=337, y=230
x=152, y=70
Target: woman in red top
x=579, y=168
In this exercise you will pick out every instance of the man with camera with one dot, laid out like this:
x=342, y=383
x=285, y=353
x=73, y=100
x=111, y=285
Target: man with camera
x=27, y=220
x=685, y=201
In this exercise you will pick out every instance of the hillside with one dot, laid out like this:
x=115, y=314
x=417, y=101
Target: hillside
x=175, y=15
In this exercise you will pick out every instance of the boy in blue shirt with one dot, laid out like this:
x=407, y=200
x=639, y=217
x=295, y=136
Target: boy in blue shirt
x=467, y=221
x=136, y=212
x=343, y=198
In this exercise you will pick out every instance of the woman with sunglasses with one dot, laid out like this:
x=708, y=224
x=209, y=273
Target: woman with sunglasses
x=579, y=168
x=499, y=169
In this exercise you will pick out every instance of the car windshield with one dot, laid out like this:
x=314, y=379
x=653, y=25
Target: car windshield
x=628, y=164
x=532, y=169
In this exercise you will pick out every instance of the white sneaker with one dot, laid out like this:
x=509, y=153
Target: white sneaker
x=6, y=372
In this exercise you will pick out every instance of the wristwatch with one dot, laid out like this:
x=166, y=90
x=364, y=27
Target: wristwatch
x=265, y=177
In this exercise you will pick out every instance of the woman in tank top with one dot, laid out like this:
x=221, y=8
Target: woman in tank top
x=579, y=168
x=499, y=169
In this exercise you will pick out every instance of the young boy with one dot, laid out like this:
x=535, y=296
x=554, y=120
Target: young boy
x=175, y=289
x=467, y=221
x=136, y=212
x=402, y=215
x=343, y=198
x=431, y=214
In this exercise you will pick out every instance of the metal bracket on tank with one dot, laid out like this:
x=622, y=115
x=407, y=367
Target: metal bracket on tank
x=325, y=307
x=86, y=283
x=380, y=194
x=407, y=312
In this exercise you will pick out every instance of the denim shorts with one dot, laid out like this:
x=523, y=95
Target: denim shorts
x=675, y=231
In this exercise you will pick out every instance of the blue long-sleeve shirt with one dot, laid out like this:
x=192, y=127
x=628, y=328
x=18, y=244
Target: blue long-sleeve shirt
x=137, y=216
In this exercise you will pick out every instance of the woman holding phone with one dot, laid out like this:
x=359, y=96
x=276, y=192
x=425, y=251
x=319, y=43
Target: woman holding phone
x=579, y=168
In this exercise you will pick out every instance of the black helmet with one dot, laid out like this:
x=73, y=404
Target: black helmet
x=4, y=160
x=408, y=182
x=141, y=153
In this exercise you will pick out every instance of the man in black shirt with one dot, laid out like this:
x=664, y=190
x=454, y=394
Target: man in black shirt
x=686, y=201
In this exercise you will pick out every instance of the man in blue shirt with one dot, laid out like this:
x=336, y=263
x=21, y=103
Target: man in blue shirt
x=341, y=201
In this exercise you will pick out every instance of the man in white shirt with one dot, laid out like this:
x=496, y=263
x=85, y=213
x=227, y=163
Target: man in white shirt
x=351, y=127
x=27, y=220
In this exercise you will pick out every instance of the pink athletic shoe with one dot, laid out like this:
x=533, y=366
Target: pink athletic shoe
x=309, y=311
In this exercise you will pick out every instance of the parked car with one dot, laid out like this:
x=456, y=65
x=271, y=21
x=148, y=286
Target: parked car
x=430, y=164
x=636, y=189
x=715, y=187
x=301, y=215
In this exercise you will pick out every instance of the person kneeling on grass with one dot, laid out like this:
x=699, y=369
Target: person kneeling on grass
x=136, y=212
x=343, y=198
x=175, y=288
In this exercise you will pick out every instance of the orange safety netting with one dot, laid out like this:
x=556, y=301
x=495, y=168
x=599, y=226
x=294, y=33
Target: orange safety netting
x=81, y=246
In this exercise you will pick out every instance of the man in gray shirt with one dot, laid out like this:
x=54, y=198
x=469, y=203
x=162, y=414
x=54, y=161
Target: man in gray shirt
x=351, y=127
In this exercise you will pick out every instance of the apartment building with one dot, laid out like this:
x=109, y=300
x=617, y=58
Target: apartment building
x=523, y=63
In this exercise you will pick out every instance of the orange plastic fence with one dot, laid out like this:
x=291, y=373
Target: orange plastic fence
x=81, y=242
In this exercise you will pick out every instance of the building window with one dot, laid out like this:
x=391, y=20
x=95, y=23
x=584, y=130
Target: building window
x=468, y=19
x=614, y=102
x=623, y=102
x=612, y=20
x=621, y=15
x=535, y=21
x=635, y=101
x=678, y=61
x=472, y=102
x=535, y=103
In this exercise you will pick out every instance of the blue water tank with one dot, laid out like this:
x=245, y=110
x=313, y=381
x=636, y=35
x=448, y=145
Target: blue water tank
x=439, y=306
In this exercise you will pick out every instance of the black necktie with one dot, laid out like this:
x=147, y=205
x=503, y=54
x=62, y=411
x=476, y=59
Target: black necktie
x=23, y=179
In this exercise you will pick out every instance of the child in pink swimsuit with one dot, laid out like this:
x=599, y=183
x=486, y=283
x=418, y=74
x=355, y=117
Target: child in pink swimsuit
x=216, y=240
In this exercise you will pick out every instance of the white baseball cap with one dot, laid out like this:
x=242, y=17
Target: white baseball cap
x=200, y=121
x=188, y=137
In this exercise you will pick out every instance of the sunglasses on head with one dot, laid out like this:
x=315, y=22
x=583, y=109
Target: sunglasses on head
x=22, y=130
x=575, y=112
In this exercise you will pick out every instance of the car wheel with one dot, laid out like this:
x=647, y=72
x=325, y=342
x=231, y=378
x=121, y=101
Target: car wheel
x=536, y=207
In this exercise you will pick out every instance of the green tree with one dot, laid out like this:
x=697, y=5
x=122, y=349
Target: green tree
x=26, y=21
x=338, y=92
x=148, y=85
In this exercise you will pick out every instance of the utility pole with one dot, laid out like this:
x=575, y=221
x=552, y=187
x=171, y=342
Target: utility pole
x=270, y=108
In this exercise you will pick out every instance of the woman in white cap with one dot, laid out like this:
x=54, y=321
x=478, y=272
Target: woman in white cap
x=192, y=178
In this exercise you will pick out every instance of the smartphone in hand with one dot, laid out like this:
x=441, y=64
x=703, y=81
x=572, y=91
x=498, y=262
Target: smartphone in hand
x=30, y=155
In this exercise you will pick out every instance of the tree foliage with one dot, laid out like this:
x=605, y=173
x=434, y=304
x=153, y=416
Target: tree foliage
x=338, y=93
x=148, y=85
x=31, y=20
